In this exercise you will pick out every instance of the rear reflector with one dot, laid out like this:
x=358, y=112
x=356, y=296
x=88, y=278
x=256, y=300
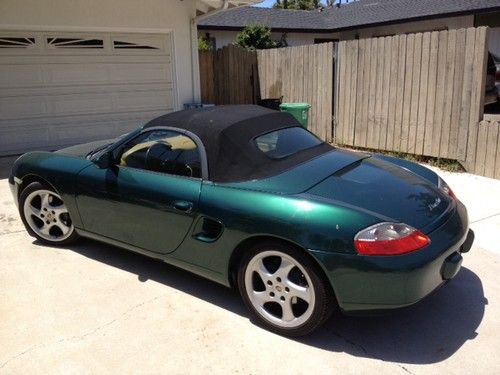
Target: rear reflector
x=389, y=239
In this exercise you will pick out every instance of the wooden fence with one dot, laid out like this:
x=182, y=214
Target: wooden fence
x=486, y=160
x=301, y=74
x=229, y=76
x=417, y=93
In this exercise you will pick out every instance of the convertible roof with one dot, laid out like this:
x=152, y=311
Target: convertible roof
x=227, y=132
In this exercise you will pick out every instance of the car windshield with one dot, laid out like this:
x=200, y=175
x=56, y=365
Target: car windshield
x=286, y=142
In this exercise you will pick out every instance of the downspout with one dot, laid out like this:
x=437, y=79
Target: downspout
x=195, y=67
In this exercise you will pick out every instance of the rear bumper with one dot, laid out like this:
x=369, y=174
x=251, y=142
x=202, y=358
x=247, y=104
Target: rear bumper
x=364, y=283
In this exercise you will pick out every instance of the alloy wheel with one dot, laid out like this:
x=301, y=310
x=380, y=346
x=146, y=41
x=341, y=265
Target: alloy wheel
x=279, y=289
x=47, y=215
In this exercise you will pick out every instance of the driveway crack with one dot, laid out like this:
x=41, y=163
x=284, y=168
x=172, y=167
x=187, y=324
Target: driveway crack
x=84, y=335
x=367, y=353
x=485, y=218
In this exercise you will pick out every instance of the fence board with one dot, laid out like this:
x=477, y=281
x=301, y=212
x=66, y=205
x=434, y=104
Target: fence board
x=407, y=93
x=440, y=93
x=448, y=99
x=497, y=152
x=454, y=152
x=415, y=93
x=492, y=150
x=359, y=130
x=378, y=93
x=431, y=92
x=477, y=91
x=302, y=74
x=423, y=92
x=470, y=40
x=384, y=123
x=391, y=111
x=372, y=95
x=400, y=93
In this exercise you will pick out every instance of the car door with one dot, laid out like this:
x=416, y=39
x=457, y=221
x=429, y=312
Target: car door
x=148, y=203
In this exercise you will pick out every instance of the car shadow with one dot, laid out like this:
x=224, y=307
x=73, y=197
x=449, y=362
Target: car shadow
x=426, y=333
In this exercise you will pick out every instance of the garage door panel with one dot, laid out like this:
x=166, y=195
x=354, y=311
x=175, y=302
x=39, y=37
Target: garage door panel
x=11, y=141
x=20, y=75
x=23, y=107
x=81, y=104
x=83, y=59
x=61, y=131
x=141, y=73
x=39, y=106
x=80, y=74
x=76, y=73
x=153, y=100
x=85, y=89
x=53, y=96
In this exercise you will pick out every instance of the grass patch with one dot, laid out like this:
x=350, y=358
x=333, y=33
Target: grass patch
x=449, y=165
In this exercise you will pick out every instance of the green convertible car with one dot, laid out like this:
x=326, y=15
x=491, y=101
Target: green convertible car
x=245, y=196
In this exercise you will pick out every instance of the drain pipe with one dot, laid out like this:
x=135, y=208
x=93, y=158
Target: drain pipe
x=195, y=66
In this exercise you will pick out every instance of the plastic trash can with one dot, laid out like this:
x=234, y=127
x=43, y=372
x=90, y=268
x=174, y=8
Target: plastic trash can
x=272, y=103
x=298, y=110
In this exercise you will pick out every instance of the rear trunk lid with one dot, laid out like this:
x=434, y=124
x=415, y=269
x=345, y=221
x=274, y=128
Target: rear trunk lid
x=302, y=177
x=387, y=191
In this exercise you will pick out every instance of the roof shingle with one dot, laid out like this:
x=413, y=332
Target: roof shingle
x=356, y=14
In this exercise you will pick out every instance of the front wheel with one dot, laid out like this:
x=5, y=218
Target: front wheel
x=283, y=289
x=45, y=215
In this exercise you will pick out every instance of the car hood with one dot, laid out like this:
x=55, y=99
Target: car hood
x=84, y=149
x=385, y=190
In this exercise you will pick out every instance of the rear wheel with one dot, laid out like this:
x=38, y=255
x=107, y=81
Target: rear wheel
x=283, y=289
x=45, y=215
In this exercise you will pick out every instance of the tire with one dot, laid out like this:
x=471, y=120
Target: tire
x=45, y=215
x=284, y=290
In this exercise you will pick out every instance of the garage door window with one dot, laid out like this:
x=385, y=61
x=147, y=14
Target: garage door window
x=10, y=42
x=74, y=43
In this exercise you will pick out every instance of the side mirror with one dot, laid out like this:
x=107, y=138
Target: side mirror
x=104, y=160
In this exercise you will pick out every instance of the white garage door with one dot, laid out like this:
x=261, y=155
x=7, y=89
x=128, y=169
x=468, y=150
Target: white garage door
x=59, y=89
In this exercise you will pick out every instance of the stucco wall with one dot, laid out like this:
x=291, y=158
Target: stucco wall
x=112, y=15
x=295, y=39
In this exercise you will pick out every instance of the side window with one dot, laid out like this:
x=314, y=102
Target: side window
x=162, y=151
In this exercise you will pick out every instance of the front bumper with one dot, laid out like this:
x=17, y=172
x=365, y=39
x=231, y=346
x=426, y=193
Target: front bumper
x=14, y=183
x=364, y=283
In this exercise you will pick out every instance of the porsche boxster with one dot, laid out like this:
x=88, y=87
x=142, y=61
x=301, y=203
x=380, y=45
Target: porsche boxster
x=245, y=196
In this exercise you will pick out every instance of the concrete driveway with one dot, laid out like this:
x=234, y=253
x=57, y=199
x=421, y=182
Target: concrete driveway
x=92, y=308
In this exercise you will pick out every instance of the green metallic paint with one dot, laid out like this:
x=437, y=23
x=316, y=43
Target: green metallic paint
x=113, y=201
x=134, y=209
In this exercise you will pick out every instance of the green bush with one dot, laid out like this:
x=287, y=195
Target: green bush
x=204, y=44
x=255, y=37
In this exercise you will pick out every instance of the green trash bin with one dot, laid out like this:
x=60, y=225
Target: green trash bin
x=298, y=110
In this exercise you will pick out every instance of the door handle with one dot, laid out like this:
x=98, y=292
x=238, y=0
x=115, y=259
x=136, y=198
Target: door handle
x=184, y=206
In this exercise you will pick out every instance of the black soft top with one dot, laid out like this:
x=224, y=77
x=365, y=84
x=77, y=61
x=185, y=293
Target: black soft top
x=227, y=132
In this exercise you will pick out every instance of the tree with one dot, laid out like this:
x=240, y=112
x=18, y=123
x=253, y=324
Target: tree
x=204, y=44
x=255, y=37
x=297, y=4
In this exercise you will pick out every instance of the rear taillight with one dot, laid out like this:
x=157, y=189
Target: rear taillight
x=389, y=239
